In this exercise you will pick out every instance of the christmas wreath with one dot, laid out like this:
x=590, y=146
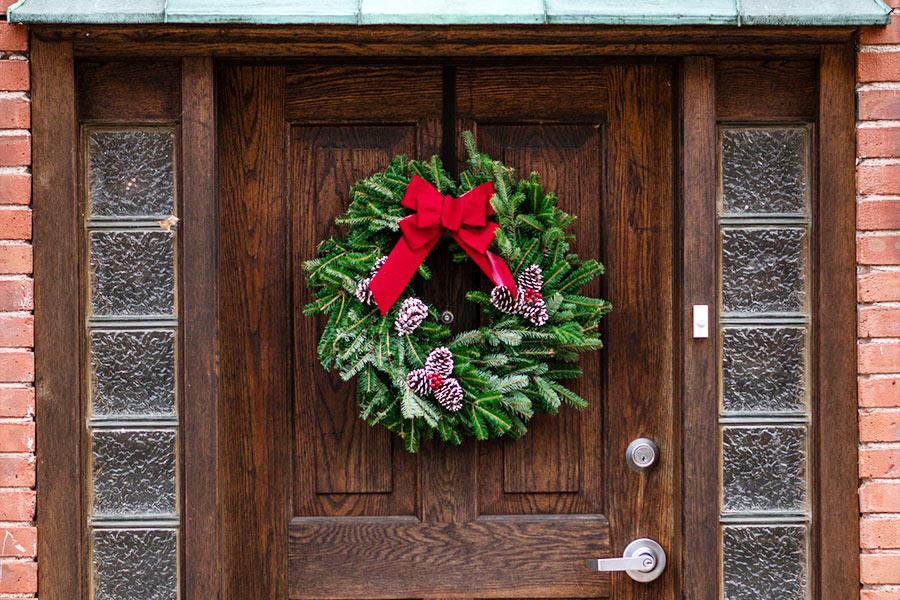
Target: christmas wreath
x=412, y=375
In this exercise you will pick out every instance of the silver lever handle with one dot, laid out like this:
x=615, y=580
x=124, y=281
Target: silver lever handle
x=643, y=560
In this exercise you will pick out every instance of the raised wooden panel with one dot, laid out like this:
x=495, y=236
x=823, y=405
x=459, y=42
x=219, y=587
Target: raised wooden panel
x=557, y=466
x=766, y=89
x=342, y=466
x=363, y=93
x=129, y=91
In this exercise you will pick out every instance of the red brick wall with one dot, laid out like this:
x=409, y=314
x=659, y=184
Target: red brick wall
x=878, y=255
x=18, y=535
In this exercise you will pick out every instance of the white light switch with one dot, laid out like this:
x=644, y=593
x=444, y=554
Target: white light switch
x=701, y=320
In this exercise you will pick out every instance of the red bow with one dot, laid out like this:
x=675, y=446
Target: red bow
x=466, y=219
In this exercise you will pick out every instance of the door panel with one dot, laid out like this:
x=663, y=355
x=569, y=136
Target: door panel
x=349, y=514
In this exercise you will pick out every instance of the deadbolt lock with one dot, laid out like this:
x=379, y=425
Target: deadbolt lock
x=642, y=454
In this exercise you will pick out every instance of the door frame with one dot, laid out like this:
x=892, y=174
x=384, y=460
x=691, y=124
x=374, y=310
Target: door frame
x=57, y=231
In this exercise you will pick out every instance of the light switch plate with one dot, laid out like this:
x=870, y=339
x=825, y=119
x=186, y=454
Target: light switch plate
x=701, y=320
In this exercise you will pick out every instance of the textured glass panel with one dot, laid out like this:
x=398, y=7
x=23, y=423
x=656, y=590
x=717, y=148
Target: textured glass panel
x=764, y=468
x=132, y=173
x=764, y=170
x=134, y=564
x=764, y=269
x=133, y=472
x=133, y=373
x=764, y=563
x=763, y=369
x=132, y=272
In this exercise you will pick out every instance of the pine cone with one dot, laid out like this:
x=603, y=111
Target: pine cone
x=363, y=293
x=450, y=395
x=502, y=299
x=532, y=278
x=419, y=381
x=536, y=313
x=411, y=314
x=440, y=361
x=377, y=266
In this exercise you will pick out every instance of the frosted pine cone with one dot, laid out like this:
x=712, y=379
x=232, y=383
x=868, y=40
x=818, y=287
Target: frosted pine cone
x=440, y=361
x=450, y=395
x=411, y=314
x=502, y=299
x=378, y=264
x=363, y=293
x=419, y=381
x=532, y=278
x=536, y=313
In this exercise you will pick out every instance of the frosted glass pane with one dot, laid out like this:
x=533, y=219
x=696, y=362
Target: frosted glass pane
x=133, y=472
x=763, y=369
x=764, y=269
x=132, y=272
x=133, y=373
x=764, y=563
x=765, y=170
x=134, y=564
x=764, y=469
x=132, y=173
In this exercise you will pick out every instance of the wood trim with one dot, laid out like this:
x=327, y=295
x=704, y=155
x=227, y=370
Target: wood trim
x=699, y=429
x=200, y=404
x=58, y=324
x=835, y=422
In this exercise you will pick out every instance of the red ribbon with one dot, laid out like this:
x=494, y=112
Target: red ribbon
x=466, y=220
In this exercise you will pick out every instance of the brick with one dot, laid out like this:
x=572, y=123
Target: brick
x=874, y=321
x=18, y=542
x=15, y=259
x=13, y=37
x=878, y=104
x=15, y=75
x=878, y=287
x=878, y=179
x=17, y=470
x=878, y=66
x=15, y=188
x=4, y=4
x=879, y=393
x=15, y=224
x=17, y=437
x=17, y=505
x=879, y=426
x=15, y=113
x=877, y=357
x=16, y=330
x=874, y=249
x=880, y=496
x=870, y=594
x=878, y=142
x=16, y=367
x=879, y=533
x=870, y=214
x=16, y=402
x=18, y=577
x=16, y=294
x=889, y=34
x=15, y=150
x=880, y=569
x=875, y=463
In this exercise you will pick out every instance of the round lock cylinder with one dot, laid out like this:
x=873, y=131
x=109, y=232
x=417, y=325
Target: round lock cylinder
x=642, y=454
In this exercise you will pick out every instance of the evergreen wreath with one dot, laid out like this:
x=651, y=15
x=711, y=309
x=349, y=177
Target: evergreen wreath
x=412, y=375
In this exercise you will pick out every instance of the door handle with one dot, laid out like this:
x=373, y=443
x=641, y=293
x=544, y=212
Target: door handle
x=643, y=560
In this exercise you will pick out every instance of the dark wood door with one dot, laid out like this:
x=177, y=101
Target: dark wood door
x=316, y=504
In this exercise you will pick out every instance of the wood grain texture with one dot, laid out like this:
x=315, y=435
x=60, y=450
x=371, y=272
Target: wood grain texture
x=129, y=90
x=836, y=532
x=534, y=557
x=639, y=256
x=58, y=321
x=699, y=418
x=254, y=331
x=201, y=410
x=766, y=89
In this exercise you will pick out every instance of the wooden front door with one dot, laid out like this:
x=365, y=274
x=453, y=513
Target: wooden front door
x=316, y=504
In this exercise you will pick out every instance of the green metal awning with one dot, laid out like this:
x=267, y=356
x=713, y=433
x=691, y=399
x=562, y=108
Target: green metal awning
x=464, y=12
